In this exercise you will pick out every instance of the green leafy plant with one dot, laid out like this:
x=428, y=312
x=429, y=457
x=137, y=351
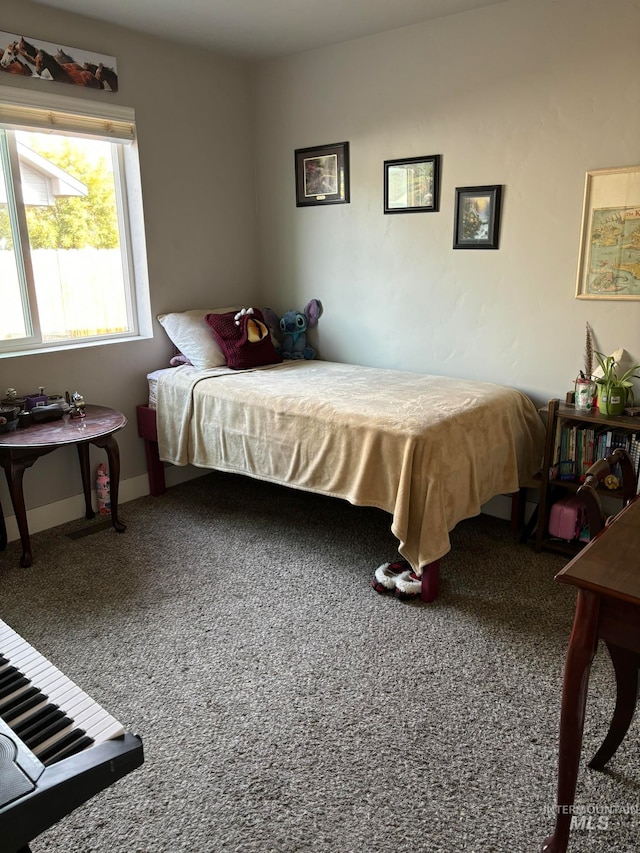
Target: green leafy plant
x=611, y=381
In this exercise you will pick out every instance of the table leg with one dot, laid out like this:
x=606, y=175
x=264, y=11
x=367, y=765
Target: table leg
x=109, y=443
x=627, y=668
x=14, y=470
x=580, y=654
x=3, y=531
x=83, y=456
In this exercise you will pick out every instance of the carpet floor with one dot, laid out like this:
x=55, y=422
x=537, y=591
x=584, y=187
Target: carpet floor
x=285, y=707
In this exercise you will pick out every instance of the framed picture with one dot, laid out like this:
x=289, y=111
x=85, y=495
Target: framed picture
x=47, y=60
x=477, y=222
x=609, y=259
x=322, y=175
x=412, y=185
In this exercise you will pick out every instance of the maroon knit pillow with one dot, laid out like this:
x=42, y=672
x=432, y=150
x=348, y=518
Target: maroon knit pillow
x=245, y=342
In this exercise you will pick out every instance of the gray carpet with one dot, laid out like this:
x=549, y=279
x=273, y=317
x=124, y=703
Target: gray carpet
x=286, y=707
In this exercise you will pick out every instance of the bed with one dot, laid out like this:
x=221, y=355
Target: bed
x=428, y=450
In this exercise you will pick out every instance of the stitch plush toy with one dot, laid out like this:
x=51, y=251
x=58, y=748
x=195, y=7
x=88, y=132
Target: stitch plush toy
x=293, y=326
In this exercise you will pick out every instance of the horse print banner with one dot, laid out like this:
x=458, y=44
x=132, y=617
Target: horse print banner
x=49, y=61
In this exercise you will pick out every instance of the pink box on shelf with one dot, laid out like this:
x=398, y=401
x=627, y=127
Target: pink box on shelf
x=567, y=518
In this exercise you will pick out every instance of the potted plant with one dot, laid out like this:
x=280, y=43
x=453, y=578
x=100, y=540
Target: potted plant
x=613, y=389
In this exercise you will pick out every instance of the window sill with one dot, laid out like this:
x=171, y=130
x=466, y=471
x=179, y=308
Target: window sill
x=70, y=347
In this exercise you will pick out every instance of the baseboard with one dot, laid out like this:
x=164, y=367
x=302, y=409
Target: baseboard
x=500, y=507
x=60, y=512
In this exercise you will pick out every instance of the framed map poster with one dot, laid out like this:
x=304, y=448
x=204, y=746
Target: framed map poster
x=609, y=260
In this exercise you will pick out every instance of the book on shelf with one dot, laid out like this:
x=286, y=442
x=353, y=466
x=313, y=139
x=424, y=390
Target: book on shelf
x=578, y=445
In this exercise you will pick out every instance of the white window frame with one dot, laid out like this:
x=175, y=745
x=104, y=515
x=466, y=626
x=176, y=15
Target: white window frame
x=22, y=109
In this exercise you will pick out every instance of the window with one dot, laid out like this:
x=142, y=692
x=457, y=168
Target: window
x=72, y=259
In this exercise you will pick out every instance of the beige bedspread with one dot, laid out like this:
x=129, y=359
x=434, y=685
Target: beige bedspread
x=429, y=450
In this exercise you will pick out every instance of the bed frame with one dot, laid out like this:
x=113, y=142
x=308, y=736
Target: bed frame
x=147, y=430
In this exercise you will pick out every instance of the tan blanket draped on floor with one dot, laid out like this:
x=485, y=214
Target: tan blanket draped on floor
x=429, y=450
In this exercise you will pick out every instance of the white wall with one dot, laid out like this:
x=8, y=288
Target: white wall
x=528, y=95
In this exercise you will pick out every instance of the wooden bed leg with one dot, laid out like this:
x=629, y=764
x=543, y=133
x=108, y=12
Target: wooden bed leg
x=147, y=430
x=518, y=506
x=430, y=581
x=155, y=468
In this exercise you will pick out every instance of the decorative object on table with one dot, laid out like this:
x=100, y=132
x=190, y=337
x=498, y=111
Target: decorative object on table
x=292, y=326
x=322, y=174
x=103, y=490
x=44, y=413
x=477, y=217
x=608, y=266
x=8, y=418
x=33, y=400
x=77, y=404
x=615, y=389
x=59, y=400
x=412, y=185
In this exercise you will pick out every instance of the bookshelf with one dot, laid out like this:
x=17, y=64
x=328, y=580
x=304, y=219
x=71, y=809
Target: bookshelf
x=576, y=438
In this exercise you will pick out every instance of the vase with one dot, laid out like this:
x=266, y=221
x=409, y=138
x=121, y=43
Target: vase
x=585, y=391
x=613, y=403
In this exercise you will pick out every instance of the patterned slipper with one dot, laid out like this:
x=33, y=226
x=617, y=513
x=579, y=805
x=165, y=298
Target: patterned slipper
x=408, y=584
x=384, y=578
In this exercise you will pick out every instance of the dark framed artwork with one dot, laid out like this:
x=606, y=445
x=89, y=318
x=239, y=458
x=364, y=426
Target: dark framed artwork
x=412, y=185
x=477, y=217
x=322, y=175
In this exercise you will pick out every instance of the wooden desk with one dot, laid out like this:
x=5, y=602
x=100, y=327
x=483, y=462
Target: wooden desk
x=21, y=448
x=607, y=574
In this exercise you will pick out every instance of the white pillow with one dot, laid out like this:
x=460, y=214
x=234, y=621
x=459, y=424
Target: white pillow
x=193, y=338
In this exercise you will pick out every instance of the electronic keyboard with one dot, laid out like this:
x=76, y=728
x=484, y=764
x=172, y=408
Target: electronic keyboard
x=58, y=747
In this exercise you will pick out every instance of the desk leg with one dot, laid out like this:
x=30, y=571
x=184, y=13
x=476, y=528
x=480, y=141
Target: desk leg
x=109, y=443
x=626, y=665
x=580, y=654
x=83, y=456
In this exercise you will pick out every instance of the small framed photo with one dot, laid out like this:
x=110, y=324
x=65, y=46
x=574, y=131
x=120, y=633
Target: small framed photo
x=609, y=260
x=412, y=185
x=477, y=217
x=322, y=175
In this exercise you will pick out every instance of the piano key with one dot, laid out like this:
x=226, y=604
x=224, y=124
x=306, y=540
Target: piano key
x=63, y=694
x=8, y=705
x=55, y=726
x=37, y=721
x=69, y=731
x=11, y=687
x=27, y=710
x=7, y=674
x=74, y=743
